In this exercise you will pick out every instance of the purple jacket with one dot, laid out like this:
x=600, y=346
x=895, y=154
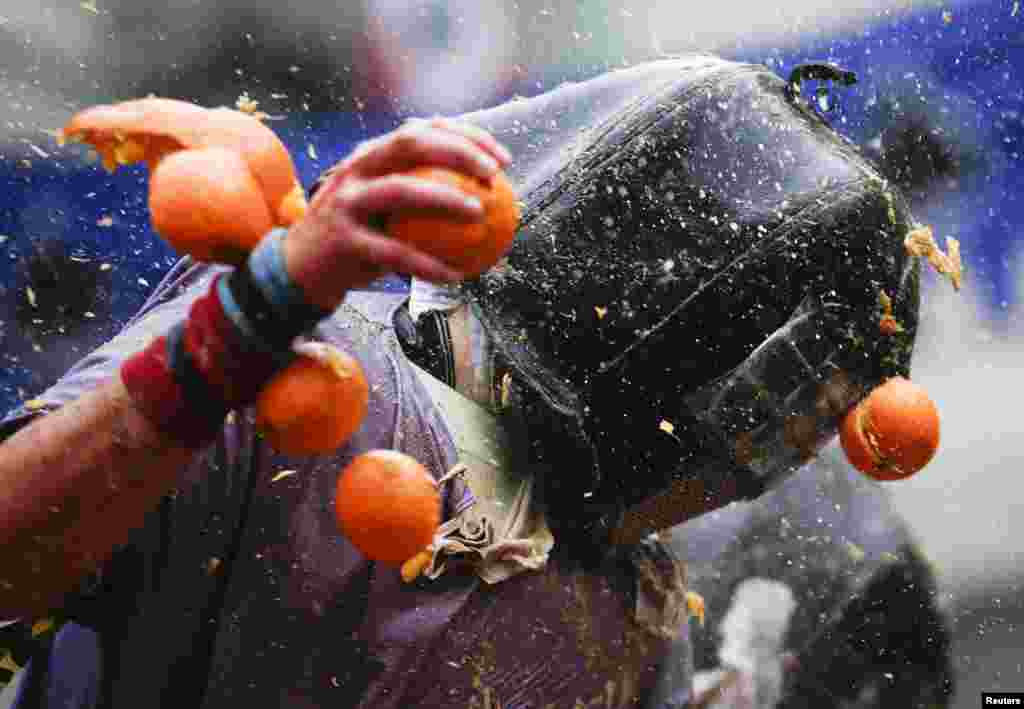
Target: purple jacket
x=241, y=591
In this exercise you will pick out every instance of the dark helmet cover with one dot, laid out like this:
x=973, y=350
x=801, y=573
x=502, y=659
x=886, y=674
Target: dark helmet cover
x=692, y=301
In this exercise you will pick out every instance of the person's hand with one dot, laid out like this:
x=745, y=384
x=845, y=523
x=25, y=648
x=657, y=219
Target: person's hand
x=335, y=248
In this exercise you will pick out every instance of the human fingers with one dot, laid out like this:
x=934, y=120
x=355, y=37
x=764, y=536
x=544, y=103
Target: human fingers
x=352, y=243
x=396, y=192
x=329, y=252
x=416, y=144
x=476, y=134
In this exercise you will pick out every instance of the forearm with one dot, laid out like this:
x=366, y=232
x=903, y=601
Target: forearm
x=73, y=484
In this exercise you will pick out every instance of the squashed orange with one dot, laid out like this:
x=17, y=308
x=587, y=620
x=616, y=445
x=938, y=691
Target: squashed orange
x=151, y=129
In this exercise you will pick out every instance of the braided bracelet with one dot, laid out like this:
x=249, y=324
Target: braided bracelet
x=267, y=307
x=236, y=337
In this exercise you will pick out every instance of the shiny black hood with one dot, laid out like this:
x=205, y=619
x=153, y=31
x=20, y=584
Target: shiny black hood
x=692, y=301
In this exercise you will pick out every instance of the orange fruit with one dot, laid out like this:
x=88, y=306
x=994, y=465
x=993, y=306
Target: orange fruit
x=893, y=432
x=150, y=129
x=315, y=404
x=267, y=157
x=206, y=202
x=134, y=131
x=388, y=506
x=472, y=247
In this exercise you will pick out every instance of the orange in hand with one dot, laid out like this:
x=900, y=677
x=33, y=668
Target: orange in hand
x=893, y=432
x=315, y=404
x=152, y=129
x=388, y=506
x=219, y=181
x=471, y=247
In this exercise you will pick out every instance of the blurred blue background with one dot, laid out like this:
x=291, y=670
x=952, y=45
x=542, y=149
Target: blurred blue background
x=951, y=68
x=940, y=102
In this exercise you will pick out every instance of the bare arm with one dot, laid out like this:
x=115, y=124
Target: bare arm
x=76, y=482
x=73, y=484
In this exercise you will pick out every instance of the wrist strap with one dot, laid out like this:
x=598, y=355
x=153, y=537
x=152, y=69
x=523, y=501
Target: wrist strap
x=195, y=390
x=158, y=394
x=235, y=362
x=263, y=302
x=237, y=336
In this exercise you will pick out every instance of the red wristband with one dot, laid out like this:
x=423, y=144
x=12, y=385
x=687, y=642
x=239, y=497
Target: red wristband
x=187, y=381
x=232, y=365
x=160, y=397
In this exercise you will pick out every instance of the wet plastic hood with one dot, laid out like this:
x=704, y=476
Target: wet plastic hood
x=692, y=301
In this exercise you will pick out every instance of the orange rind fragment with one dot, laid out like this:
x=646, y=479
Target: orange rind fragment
x=921, y=242
x=887, y=324
x=250, y=106
x=695, y=606
x=132, y=131
x=414, y=567
x=149, y=129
